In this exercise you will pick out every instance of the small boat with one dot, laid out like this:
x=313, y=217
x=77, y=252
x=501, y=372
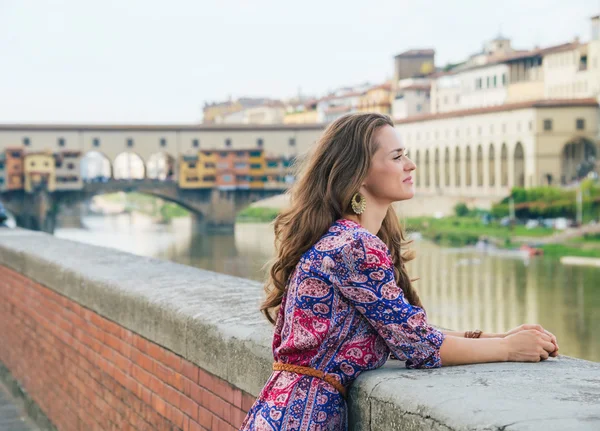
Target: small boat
x=532, y=251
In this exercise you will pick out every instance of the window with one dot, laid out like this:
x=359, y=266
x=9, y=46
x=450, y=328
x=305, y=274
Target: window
x=61, y=142
x=255, y=166
x=418, y=107
x=240, y=153
x=1, y=180
x=241, y=165
x=58, y=163
x=209, y=165
x=96, y=142
x=71, y=166
x=487, y=80
x=547, y=124
x=1, y=165
x=192, y=165
x=163, y=142
x=228, y=142
x=195, y=143
x=531, y=125
x=254, y=153
x=292, y=142
x=32, y=163
x=503, y=79
x=130, y=142
x=26, y=141
x=495, y=81
x=259, y=142
x=223, y=154
x=209, y=178
x=580, y=124
x=227, y=178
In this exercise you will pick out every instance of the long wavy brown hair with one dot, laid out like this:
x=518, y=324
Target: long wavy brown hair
x=328, y=178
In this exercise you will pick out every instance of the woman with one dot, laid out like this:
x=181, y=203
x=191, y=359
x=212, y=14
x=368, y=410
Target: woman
x=339, y=293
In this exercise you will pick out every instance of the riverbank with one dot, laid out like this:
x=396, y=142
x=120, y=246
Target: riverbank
x=465, y=231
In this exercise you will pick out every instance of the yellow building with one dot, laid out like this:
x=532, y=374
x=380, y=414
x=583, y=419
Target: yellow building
x=377, y=99
x=189, y=177
x=207, y=169
x=39, y=172
x=274, y=173
x=257, y=169
x=305, y=113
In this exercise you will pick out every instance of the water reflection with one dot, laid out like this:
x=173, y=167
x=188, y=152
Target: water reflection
x=461, y=290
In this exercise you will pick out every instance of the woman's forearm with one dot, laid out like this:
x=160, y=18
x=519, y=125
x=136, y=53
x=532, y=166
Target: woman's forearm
x=459, y=351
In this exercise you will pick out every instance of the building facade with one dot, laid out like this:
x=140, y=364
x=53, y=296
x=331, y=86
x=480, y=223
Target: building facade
x=67, y=165
x=483, y=153
x=39, y=171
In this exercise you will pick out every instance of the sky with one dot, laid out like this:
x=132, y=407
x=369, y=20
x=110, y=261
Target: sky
x=150, y=61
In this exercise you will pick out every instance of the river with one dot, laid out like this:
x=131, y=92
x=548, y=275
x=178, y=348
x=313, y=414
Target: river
x=461, y=289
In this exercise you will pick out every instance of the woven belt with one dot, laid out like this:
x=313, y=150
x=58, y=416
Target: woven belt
x=308, y=371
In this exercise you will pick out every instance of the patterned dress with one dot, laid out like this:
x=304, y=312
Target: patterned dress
x=343, y=313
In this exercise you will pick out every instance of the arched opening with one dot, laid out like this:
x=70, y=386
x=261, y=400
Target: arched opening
x=426, y=168
x=436, y=172
x=161, y=166
x=418, y=163
x=504, y=166
x=447, y=167
x=492, y=166
x=519, y=162
x=95, y=166
x=479, y=166
x=129, y=166
x=578, y=159
x=457, y=167
x=469, y=181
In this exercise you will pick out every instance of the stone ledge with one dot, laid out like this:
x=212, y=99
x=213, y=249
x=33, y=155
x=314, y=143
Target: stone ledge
x=212, y=320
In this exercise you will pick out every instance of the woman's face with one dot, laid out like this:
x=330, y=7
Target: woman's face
x=389, y=178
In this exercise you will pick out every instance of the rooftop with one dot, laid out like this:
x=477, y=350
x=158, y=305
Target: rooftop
x=547, y=103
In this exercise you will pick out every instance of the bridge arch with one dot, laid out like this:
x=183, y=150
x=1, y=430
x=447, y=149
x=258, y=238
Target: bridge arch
x=161, y=166
x=578, y=158
x=95, y=165
x=519, y=166
x=492, y=166
x=129, y=166
x=504, y=166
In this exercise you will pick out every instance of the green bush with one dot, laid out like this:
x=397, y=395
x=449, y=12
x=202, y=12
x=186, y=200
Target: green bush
x=461, y=210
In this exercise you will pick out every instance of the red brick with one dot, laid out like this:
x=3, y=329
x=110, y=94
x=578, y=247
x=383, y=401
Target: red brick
x=204, y=417
x=189, y=407
x=247, y=401
x=220, y=425
x=172, y=360
x=140, y=343
x=174, y=415
x=159, y=404
x=189, y=370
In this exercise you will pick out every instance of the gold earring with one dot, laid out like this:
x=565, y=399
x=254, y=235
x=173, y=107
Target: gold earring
x=359, y=203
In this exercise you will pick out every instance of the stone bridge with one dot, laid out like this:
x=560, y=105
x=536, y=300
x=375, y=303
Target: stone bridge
x=213, y=209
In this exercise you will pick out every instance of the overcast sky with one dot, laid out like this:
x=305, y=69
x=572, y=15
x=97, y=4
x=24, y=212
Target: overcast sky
x=149, y=61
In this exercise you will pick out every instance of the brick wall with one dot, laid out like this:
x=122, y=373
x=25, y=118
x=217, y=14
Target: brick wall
x=88, y=373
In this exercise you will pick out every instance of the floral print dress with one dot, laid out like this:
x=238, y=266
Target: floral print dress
x=343, y=313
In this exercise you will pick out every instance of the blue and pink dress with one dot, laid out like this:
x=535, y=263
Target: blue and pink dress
x=343, y=313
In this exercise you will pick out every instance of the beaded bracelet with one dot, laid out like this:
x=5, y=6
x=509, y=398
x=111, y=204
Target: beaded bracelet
x=473, y=334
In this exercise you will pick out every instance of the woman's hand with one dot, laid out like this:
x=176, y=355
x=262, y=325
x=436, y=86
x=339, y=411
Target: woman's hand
x=528, y=345
x=539, y=328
